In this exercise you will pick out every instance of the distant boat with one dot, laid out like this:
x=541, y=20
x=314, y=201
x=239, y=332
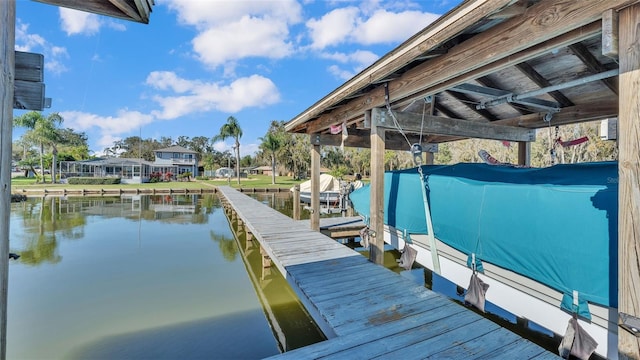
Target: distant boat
x=546, y=238
x=329, y=191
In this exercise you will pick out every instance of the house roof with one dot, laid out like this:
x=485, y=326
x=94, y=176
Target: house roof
x=113, y=161
x=177, y=149
x=487, y=69
x=133, y=10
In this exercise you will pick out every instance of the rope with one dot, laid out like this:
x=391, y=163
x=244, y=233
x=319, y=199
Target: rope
x=417, y=149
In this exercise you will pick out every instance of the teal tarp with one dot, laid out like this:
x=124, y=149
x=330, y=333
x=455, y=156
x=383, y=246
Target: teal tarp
x=556, y=225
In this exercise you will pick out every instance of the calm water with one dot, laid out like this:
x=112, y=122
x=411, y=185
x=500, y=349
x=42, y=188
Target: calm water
x=143, y=277
x=153, y=277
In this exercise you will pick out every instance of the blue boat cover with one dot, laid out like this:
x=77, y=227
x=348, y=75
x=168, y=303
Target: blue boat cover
x=556, y=225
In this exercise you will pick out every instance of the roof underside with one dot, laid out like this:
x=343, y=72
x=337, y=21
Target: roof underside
x=133, y=10
x=491, y=62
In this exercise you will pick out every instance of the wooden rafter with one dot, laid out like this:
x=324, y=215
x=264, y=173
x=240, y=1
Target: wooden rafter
x=471, y=104
x=434, y=36
x=486, y=81
x=594, y=65
x=456, y=67
x=416, y=123
x=542, y=82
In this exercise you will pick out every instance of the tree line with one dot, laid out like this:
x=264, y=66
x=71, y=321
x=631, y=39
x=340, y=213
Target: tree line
x=46, y=143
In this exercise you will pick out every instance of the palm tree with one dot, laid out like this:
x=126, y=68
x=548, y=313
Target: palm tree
x=271, y=143
x=44, y=131
x=232, y=130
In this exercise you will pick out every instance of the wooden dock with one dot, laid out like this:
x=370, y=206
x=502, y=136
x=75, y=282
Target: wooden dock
x=339, y=227
x=365, y=310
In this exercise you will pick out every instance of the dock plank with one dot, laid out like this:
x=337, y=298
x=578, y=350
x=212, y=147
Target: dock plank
x=366, y=310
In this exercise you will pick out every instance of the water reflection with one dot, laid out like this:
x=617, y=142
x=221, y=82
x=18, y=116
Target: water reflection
x=130, y=277
x=291, y=324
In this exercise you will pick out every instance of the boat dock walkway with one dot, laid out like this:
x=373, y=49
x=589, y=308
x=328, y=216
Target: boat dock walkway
x=367, y=311
x=339, y=227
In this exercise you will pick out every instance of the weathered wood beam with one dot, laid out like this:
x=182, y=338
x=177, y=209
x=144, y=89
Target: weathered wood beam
x=542, y=82
x=570, y=115
x=415, y=123
x=524, y=153
x=360, y=138
x=114, y=8
x=514, y=10
x=448, y=112
x=436, y=34
x=610, y=33
x=315, y=188
x=487, y=82
x=593, y=65
x=7, y=68
x=471, y=104
x=629, y=179
x=413, y=84
x=376, y=203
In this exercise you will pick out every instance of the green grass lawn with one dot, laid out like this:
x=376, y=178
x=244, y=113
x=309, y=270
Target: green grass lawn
x=254, y=181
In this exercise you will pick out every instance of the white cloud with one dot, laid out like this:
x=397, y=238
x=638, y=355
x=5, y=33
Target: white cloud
x=196, y=96
x=366, y=25
x=54, y=56
x=206, y=14
x=252, y=37
x=333, y=28
x=356, y=61
x=109, y=127
x=386, y=27
x=233, y=30
x=79, y=22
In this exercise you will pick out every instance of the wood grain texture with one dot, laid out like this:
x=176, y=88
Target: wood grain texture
x=368, y=311
x=629, y=181
x=7, y=66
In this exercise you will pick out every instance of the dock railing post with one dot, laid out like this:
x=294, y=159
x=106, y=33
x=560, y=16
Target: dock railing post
x=7, y=70
x=315, y=183
x=296, y=202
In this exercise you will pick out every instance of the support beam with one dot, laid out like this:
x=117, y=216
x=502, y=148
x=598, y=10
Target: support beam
x=593, y=65
x=524, y=153
x=429, y=156
x=296, y=202
x=505, y=45
x=414, y=123
x=376, y=210
x=610, y=33
x=571, y=115
x=7, y=66
x=315, y=187
x=629, y=181
x=430, y=39
x=360, y=138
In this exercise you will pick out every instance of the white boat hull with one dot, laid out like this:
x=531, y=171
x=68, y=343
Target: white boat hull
x=516, y=294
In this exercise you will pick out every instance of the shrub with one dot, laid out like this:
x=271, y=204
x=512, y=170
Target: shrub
x=93, y=181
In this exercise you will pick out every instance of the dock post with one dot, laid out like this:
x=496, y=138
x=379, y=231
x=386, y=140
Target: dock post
x=315, y=182
x=376, y=210
x=7, y=72
x=266, y=260
x=629, y=182
x=296, y=202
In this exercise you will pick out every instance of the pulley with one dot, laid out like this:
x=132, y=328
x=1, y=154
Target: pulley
x=416, y=151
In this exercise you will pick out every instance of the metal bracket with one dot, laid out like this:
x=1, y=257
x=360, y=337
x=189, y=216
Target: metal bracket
x=547, y=117
x=629, y=323
x=416, y=151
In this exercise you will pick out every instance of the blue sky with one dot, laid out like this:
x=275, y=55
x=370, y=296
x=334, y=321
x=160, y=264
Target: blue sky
x=198, y=62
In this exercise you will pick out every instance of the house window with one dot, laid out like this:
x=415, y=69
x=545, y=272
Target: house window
x=176, y=155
